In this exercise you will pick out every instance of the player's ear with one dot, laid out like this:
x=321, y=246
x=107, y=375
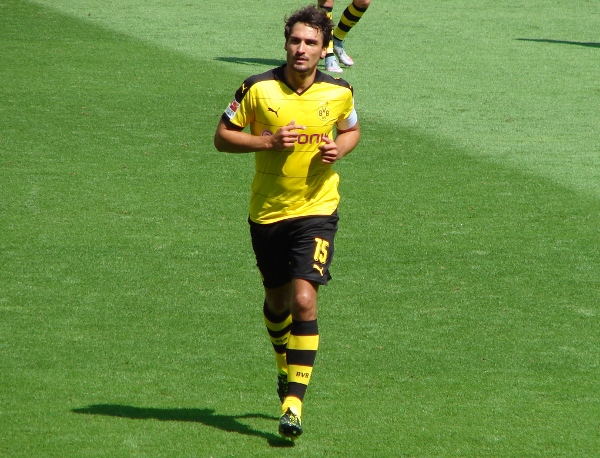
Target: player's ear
x=323, y=53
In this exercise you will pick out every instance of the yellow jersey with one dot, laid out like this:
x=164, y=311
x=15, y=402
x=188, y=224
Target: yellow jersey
x=292, y=182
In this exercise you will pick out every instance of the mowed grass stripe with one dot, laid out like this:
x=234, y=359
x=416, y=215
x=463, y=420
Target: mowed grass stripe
x=112, y=217
x=512, y=83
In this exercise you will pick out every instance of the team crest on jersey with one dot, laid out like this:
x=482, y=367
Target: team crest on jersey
x=232, y=109
x=323, y=112
x=266, y=133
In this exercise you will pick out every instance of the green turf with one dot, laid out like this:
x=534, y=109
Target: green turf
x=463, y=315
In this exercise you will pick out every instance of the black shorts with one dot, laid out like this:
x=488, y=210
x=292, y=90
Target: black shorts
x=294, y=248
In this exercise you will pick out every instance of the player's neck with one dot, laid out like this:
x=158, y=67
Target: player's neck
x=297, y=81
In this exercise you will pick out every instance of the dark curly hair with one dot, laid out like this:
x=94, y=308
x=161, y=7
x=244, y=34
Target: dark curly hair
x=312, y=16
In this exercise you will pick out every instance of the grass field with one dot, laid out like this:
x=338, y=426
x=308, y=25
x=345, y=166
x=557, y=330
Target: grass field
x=464, y=313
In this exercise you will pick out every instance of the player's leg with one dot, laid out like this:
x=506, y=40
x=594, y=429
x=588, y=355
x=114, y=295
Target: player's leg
x=278, y=326
x=331, y=63
x=350, y=17
x=311, y=249
x=297, y=356
x=302, y=347
x=270, y=244
x=278, y=320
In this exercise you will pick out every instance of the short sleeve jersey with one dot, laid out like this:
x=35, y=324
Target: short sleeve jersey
x=292, y=182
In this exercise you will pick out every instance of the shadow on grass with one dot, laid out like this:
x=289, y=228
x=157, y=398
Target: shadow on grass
x=207, y=417
x=562, y=42
x=251, y=60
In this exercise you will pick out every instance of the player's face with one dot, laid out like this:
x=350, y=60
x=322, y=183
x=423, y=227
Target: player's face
x=304, y=48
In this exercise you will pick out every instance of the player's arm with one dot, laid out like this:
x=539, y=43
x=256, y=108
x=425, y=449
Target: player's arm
x=230, y=139
x=345, y=141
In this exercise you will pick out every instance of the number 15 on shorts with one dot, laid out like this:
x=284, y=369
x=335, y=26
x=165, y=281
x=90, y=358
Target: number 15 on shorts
x=321, y=250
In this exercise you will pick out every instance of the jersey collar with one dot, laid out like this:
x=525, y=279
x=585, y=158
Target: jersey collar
x=279, y=75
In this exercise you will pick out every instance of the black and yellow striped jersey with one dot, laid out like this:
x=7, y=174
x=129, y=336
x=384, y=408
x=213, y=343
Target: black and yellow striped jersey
x=293, y=182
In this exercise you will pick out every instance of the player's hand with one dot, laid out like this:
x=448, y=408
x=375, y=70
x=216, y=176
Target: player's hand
x=329, y=151
x=286, y=136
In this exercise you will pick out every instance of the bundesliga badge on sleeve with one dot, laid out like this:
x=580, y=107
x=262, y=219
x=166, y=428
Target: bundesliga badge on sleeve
x=232, y=109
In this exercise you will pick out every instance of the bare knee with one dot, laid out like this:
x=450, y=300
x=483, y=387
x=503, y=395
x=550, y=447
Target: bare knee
x=362, y=3
x=278, y=308
x=326, y=3
x=279, y=300
x=304, y=301
x=304, y=304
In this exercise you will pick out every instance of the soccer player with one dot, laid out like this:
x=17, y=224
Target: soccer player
x=351, y=15
x=293, y=112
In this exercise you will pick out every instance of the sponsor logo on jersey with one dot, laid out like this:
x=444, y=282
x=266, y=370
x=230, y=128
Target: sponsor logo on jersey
x=232, y=109
x=304, y=139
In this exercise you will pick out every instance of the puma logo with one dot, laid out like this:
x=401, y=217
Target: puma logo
x=319, y=268
x=273, y=111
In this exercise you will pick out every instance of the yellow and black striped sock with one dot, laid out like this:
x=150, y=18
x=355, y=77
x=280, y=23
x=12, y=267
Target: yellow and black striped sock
x=350, y=17
x=329, y=11
x=301, y=352
x=279, y=333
